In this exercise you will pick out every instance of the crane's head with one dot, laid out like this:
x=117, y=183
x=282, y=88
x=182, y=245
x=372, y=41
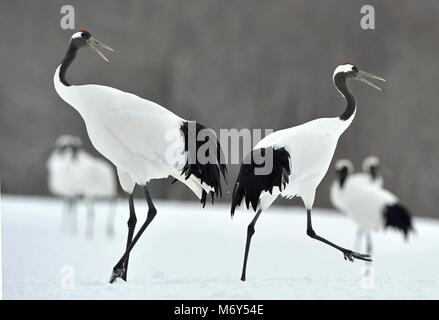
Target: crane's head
x=343, y=168
x=67, y=142
x=348, y=70
x=83, y=38
x=371, y=165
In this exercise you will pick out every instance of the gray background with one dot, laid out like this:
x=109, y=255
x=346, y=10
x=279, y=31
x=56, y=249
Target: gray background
x=231, y=64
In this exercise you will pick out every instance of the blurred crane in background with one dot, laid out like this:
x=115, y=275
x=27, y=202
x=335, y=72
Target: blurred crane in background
x=73, y=174
x=370, y=205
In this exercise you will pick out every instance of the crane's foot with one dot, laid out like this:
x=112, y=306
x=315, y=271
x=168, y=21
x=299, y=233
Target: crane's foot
x=118, y=272
x=351, y=255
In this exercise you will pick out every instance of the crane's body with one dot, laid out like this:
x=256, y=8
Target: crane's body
x=96, y=177
x=61, y=178
x=301, y=157
x=141, y=138
x=362, y=200
x=319, y=139
x=133, y=133
x=73, y=172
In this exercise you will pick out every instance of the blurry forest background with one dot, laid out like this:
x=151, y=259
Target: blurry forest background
x=231, y=64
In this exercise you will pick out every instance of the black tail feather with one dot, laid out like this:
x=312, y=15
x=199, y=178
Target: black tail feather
x=397, y=216
x=250, y=186
x=209, y=173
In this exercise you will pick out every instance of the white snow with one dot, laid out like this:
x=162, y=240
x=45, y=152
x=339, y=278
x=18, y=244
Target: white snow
x=193, y=253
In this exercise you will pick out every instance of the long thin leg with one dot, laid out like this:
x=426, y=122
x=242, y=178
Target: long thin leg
x=358, y=237
x=131, y=227
x=111, y=216
x=368, y=267
x=250, y=232
x=348, y=254
x=90, y=218
x=74, y=216
x=118, y=269
x=67, y=207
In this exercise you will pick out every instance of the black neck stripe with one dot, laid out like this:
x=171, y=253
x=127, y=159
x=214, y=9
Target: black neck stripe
x=68, y=59
x=340, y=83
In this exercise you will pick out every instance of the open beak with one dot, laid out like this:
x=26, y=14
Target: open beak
x=361, y=76
x=94, y=44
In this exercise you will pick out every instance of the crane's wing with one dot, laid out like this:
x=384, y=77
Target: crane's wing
x=143, y=127
x=147, y=129
x=252, y=180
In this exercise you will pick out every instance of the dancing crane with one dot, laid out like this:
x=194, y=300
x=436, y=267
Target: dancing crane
x=300, y=157
x=142, y=139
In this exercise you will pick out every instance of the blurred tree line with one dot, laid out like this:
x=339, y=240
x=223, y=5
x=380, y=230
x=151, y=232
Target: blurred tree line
x=231, y=64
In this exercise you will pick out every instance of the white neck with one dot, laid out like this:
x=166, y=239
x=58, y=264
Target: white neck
x=344, y=124
x=70, y=94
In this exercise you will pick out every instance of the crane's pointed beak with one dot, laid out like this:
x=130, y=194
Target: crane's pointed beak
x=93, y=43
x=361, y=76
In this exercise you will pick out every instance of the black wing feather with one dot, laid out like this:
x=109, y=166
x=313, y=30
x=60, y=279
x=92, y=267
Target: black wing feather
x=250, y=186
x=397, y=216
x=209, y=173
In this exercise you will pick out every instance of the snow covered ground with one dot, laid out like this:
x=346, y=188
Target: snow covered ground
x=191, y=253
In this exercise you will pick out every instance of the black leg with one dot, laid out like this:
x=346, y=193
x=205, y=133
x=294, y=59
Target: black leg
x=118, y=269
x=131, y=227
x=348, y=254
x=250, y=232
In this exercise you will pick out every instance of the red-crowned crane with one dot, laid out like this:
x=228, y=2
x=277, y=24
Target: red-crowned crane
x=300, y=159
x=142, y=139
x=75, y=174
x=61, y=177
x=370, y=205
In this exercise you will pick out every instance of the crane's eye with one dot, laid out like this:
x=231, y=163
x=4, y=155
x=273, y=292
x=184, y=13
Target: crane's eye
x=355, y=69
x=85, y=35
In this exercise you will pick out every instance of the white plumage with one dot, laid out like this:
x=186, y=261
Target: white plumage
x=61, y=178
x=313, y=145
x=96, y=177
x=75, y=173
